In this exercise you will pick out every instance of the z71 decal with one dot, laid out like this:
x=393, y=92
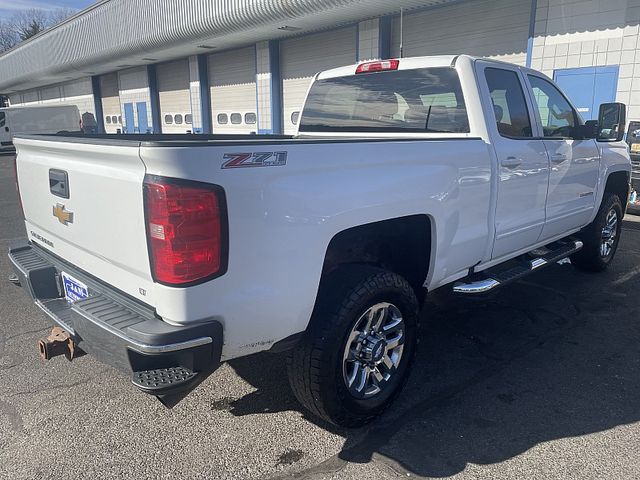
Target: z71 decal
x=260, y=159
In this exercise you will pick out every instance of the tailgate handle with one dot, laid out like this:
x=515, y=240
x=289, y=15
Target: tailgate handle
x=59, y=183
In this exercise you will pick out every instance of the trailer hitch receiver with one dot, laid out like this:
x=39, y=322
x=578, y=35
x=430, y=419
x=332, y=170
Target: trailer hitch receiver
x=59, y=342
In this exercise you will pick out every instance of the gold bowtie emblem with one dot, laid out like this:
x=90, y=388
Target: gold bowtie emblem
x=64, y=217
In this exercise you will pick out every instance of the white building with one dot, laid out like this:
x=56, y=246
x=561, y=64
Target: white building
x=240, y=66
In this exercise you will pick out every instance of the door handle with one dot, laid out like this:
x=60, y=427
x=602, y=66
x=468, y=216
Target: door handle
x=511, y=162
x=558, y=157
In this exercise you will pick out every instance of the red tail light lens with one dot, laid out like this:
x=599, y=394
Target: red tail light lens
x=186, y=230
x=378, y=66
x=15, y=173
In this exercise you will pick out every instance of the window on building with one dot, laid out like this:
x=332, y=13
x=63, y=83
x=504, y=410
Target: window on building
x=556, y=113
x=250, y=118
x=114, y=119
x=120, y=119
x=223, y=119
x=177, y=118
x=107, y=119
x=236, y=118
x=509, y=104
x=188, y=119
x=295, y=116
x=427, y=100
x=168, y=119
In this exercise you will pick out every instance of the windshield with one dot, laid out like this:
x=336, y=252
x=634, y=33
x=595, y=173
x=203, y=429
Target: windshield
x=410, y=101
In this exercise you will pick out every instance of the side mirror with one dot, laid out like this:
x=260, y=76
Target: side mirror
x=586, y=131
x=6, y=129
x=612, y=120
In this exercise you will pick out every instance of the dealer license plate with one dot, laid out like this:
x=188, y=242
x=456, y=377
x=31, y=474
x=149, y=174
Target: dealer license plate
x=74, y=289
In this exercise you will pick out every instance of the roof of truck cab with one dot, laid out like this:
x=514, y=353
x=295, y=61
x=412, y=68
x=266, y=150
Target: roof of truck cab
x=409, y=63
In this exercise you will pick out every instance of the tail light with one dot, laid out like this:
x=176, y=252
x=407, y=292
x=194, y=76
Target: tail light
x=15, y=173
x=378, y=66
x=186, y=230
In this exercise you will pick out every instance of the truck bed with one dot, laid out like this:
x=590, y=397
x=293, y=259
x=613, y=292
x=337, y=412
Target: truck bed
x=195, y=140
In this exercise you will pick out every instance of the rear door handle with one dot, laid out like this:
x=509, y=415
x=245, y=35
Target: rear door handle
x=511, y=162
x=558, y=157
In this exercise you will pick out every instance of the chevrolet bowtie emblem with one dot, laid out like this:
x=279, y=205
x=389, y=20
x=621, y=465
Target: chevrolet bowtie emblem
x=63, y=216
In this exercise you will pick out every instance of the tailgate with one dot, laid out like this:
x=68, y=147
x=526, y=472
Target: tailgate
x=83, y=202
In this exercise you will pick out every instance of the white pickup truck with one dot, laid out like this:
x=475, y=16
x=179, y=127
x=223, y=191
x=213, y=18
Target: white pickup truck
x=165, y=255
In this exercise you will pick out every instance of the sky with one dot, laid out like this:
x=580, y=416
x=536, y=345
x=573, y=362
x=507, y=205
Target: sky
x=7, y=7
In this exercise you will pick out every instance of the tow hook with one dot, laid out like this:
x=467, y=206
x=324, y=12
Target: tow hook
x=59, y=342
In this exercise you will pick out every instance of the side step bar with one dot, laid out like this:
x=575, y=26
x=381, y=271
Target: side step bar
x=499, y=279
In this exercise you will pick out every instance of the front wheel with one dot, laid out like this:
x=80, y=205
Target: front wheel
x=601, y=237
x=355, y=356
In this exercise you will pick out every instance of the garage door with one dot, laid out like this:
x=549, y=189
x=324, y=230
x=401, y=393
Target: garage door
x=487, y=28
x=175, y=99
x=301, y=58
x=232, y=77
x=111, y=103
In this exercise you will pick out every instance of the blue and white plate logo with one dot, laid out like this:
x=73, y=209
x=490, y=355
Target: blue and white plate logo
x=74, y=290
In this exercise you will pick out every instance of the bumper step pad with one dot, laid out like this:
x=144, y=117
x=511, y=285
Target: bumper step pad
x=161, y=380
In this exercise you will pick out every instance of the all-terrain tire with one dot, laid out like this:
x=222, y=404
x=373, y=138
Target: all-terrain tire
x=315, y=365
x=592, y=257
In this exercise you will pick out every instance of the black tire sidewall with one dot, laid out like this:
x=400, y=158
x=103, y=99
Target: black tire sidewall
x=347, y=316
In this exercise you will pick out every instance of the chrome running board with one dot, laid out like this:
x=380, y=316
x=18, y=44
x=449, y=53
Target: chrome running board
x=492, y=281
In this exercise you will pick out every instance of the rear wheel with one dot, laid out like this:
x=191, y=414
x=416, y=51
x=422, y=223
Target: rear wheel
x=355, y=356
x=601, y=237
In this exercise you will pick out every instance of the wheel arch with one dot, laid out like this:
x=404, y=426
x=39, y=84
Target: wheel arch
x=402, y=245
x=618, y=183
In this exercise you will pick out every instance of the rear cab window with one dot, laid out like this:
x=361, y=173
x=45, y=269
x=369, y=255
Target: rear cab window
x=509, y=103
x=427, y=100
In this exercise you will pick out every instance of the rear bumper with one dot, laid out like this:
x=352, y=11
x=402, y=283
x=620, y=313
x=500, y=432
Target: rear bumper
x=114, y=328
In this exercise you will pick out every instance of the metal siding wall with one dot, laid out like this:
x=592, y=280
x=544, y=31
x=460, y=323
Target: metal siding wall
x=301, y=58
x=120, y=32
x=572, y=33
x=174, y=94
x=78, y=93
x=232, y=80
x=496, y=29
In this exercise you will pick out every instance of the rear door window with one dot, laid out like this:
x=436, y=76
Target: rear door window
x=427, y=100
x=509, y=104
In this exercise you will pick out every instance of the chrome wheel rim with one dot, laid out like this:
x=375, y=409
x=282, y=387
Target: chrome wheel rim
x=373, y=350
x=609, y=234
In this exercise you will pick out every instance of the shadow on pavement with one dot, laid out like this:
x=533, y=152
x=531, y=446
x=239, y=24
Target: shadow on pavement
x=555, y=356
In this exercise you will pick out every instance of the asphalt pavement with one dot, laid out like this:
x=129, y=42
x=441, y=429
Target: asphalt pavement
x=540, y=381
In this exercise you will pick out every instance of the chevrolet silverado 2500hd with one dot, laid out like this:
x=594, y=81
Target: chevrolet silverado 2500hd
x=165, y=255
